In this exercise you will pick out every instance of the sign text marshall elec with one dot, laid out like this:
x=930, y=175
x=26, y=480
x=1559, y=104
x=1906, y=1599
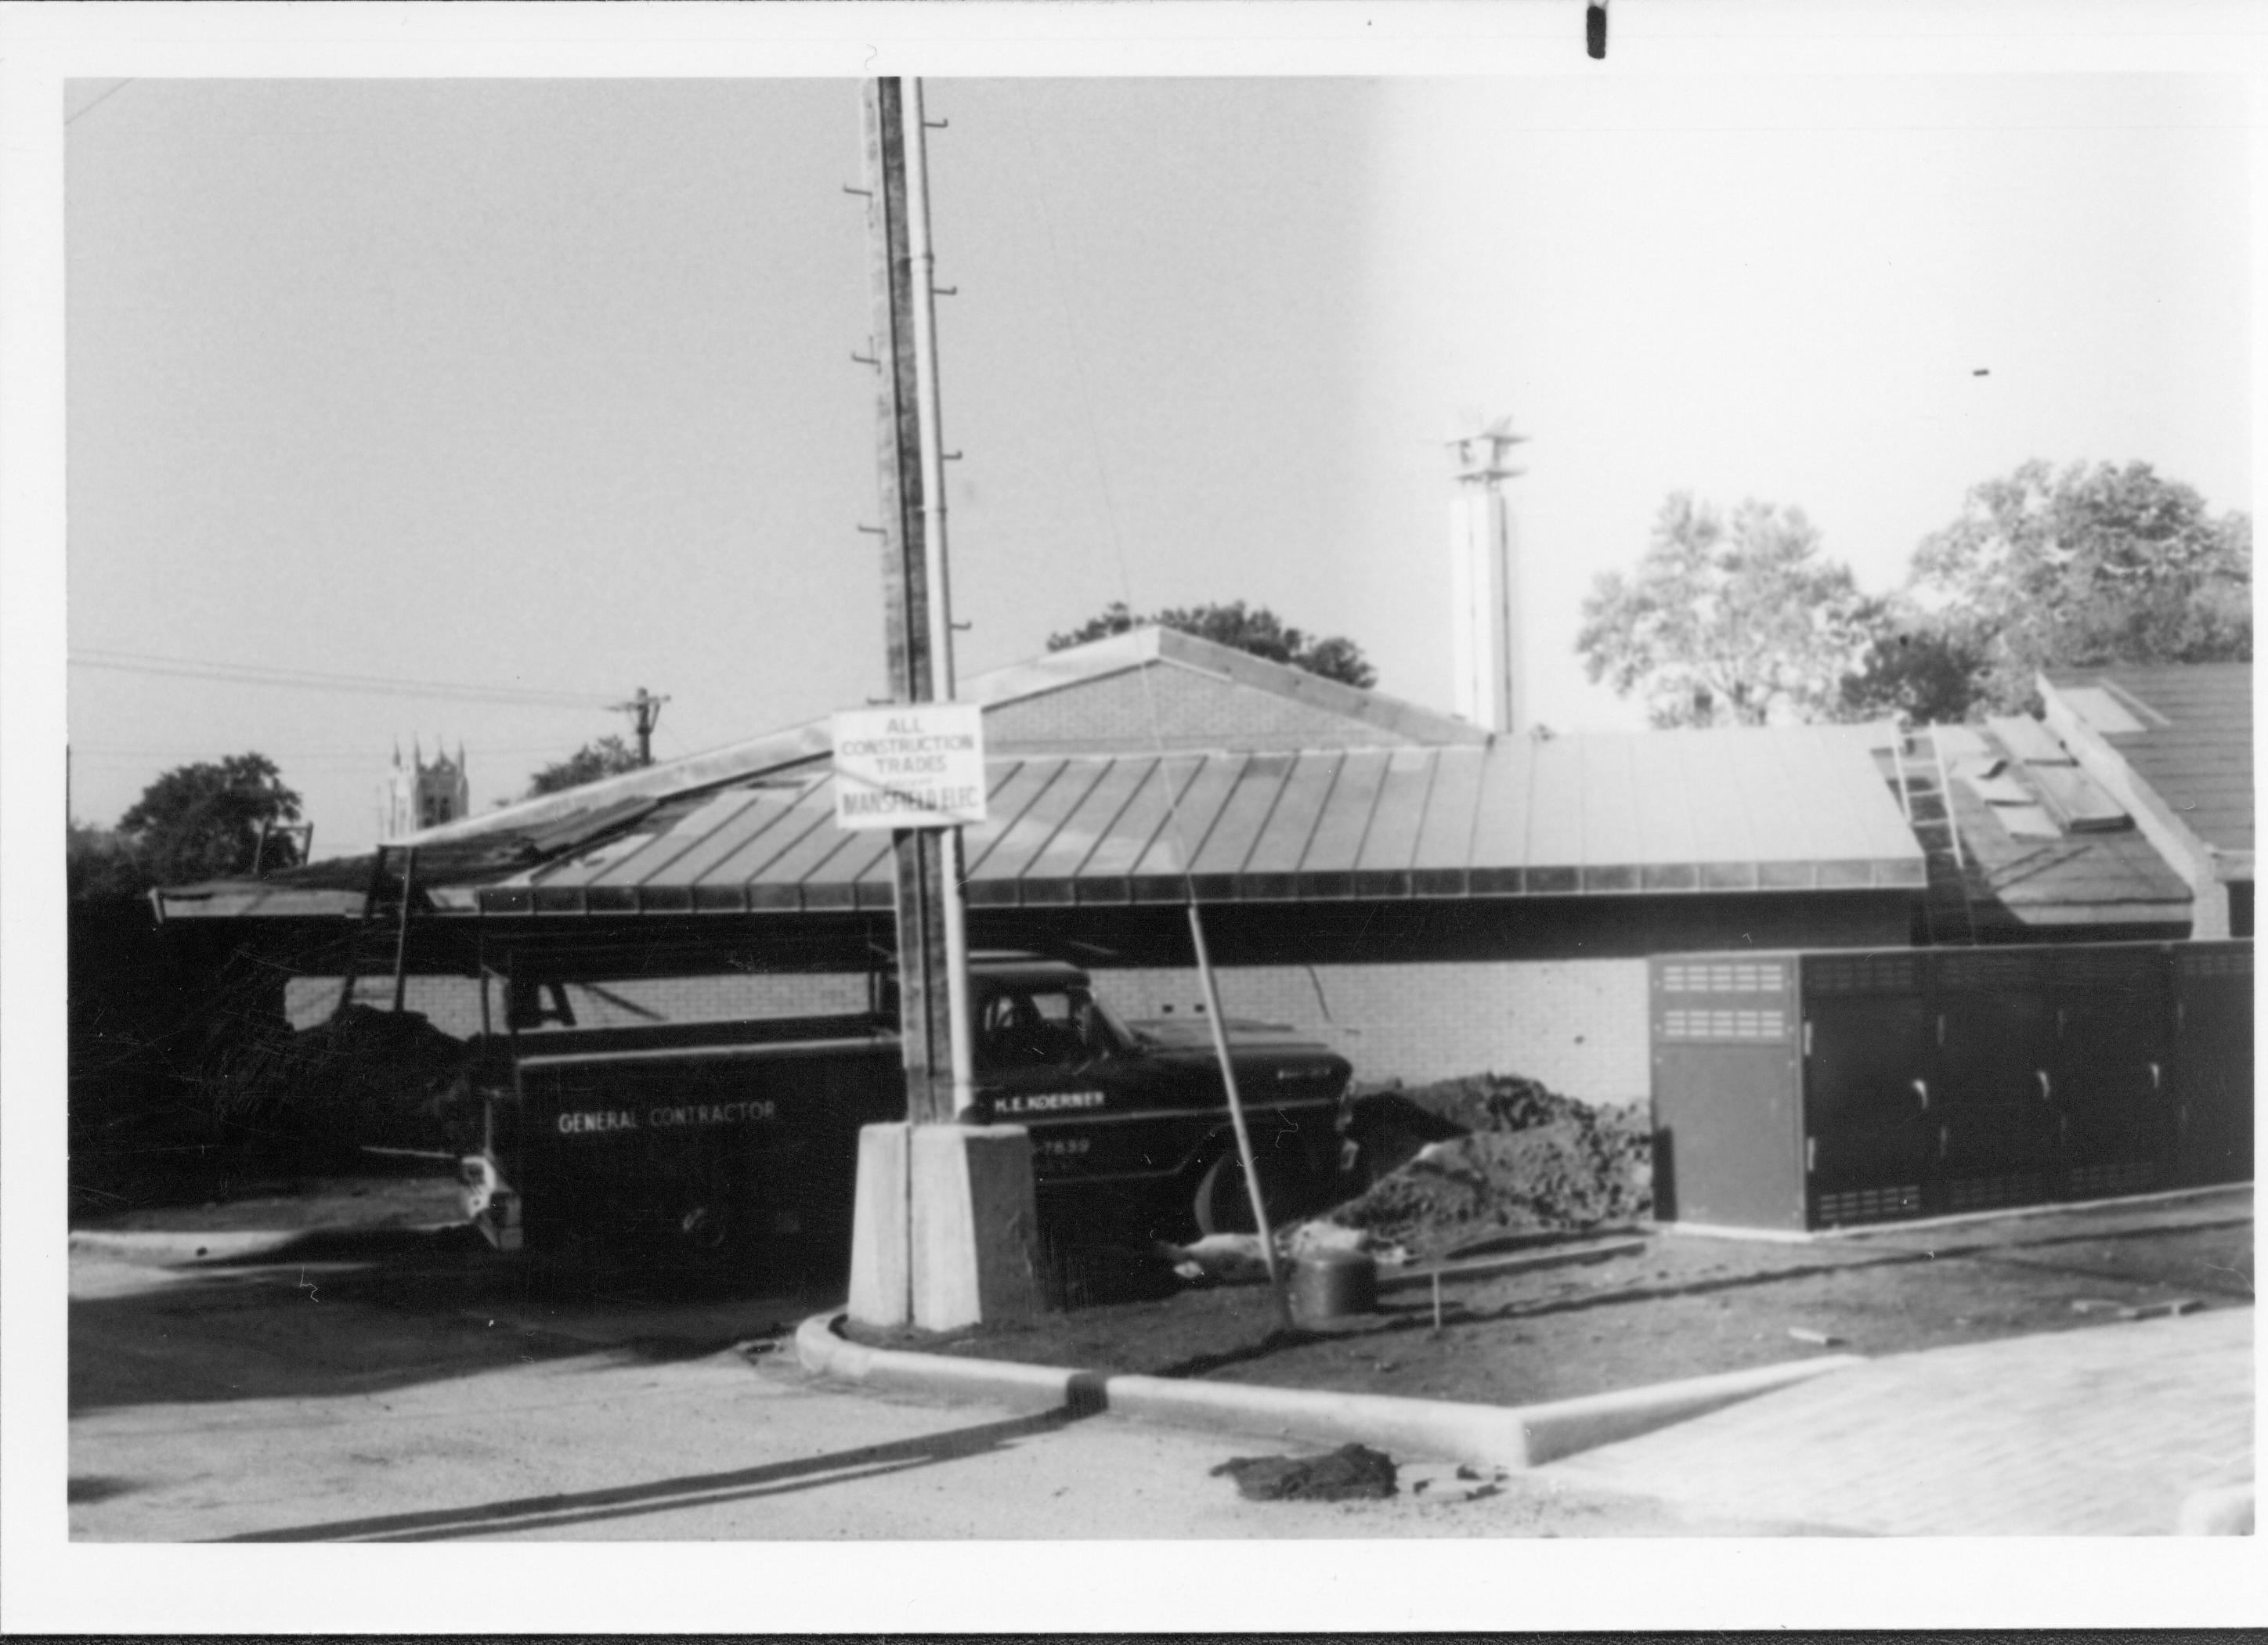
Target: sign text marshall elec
x=914, y=765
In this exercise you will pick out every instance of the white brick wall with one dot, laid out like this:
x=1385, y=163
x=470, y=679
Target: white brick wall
x=1578, y=1026
x=452, y=1005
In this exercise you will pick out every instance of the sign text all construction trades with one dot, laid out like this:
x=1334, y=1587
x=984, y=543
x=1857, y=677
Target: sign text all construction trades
x=913, y=765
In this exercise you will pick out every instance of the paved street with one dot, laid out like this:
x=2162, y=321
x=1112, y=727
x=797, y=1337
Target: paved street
x=274, y=1403
x=401, y=1384
x=2103, y=1432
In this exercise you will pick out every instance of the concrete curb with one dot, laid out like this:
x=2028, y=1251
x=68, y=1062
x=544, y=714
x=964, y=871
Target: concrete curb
x=1508, y=1437
x=1956, y=1219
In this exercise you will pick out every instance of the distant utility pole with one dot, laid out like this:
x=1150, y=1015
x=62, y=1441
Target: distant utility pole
x=645, y=712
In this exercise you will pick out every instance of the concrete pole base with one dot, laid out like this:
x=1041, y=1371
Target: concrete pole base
x=946, y=1230
x=882, y=1273
x=976, y=1246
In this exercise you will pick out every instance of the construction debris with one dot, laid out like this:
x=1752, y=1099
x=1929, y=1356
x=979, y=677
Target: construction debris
x=1444, y=1482
x=2161, y=1310
x=1350, y=1473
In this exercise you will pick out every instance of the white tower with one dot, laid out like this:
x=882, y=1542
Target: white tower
x=1484, y=646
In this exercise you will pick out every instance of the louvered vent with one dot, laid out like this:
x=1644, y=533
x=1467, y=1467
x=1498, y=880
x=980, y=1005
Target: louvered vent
x=1698, y=1023
x=1988, y=1193
x=1868, y=1205
x=1724, y=976
x=2227, y=962
x=1986, y=969
x=2103, y=1182
x=1861, y=973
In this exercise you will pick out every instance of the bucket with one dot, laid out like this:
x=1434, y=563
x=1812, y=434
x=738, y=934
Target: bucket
x=1333, y=1285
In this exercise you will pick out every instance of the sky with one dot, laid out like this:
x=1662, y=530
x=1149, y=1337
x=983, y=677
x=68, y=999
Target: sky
x=492, y=387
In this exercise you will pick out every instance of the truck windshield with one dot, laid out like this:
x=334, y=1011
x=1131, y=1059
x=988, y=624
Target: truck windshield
x=1022, y=1028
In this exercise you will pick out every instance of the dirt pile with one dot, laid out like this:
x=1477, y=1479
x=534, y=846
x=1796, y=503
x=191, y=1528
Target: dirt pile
x=1465, y=1160
x=364, y=1077
x=1351, y=1473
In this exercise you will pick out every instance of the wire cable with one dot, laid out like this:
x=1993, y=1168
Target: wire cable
x=315, y=679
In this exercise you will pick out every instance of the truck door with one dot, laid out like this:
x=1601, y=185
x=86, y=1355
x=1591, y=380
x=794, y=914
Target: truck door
x=1047, y=1059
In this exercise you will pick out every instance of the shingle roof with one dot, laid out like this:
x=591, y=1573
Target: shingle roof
x=2192, y=741
x=2033, y=863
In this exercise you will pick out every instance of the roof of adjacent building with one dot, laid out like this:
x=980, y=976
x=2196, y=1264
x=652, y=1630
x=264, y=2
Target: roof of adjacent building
x=2185, y=731
x=2044, y=845
x=1799, y=808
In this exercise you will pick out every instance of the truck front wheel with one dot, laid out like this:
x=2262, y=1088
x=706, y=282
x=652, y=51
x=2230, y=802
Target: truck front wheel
x=1223, y=1205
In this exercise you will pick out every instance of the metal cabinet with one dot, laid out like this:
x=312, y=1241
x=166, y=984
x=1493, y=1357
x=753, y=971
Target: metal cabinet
x=1728, y=1119
x=1996, y=1038
x=1870, y=1116
x=2211, y=1079
x=2107, y=1091
x=1803, y=1090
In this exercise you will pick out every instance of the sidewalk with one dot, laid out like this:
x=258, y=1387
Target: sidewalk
x=2104, y=1432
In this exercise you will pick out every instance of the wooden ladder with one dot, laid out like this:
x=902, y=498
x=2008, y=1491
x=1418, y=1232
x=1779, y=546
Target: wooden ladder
x=1926, y=794
x=372, y=923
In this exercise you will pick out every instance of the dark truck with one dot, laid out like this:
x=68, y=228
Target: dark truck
x=672, y=1142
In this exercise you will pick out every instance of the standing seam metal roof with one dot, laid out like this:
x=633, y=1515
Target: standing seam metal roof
x=1788, y=808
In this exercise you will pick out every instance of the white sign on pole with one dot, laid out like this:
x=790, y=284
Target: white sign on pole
x=913, y=765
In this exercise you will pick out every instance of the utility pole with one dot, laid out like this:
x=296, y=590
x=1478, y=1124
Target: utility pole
x=645, y=714
x=934, y=569
x=925, y=1002
x=945, y=1226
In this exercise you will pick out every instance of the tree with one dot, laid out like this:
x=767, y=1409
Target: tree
x=99, y=863
x=1916, y=668
x=2092, y=565
x=1738, y=623
x=203, y=821
x=1253, y=628
x=607, y=757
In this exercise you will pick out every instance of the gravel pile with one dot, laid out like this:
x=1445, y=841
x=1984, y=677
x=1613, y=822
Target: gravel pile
x=1466, y=1160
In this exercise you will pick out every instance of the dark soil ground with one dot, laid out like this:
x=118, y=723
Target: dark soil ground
x=1682, y=1306
x=391, y=1191
x=1492, y=1162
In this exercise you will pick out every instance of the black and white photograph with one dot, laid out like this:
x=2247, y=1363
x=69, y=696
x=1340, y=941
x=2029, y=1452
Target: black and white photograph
x=981, y=811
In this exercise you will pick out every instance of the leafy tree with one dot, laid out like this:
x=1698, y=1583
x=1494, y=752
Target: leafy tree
x=1917, y=669
x=202, y=821
x=2092, y=565
x=1253, y=628
x=1728, y=623
x=99, y=863
x=607, y=757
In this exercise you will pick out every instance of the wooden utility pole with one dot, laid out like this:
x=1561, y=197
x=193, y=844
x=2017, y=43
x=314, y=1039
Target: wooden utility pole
x=645, y=710
x=925, y=1003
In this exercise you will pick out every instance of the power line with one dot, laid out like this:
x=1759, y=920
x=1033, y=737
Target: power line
x=312, y=679
x=375, y=756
